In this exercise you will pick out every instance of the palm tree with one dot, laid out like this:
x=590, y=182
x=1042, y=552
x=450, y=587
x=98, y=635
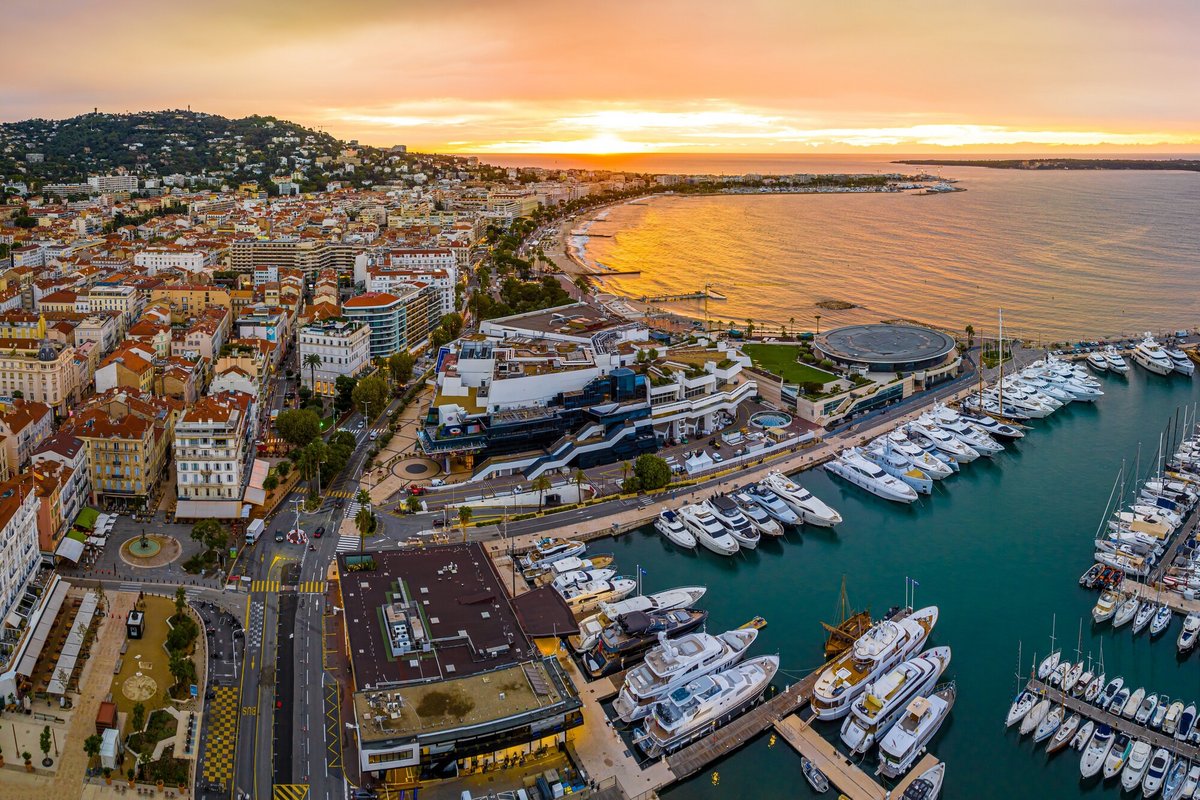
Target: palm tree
x=579, y=477
x=792, y=325
x=540, y=484
x=464, y=516
x=312, y=361
x=818, y=316
x=365, y=518
x=749, y=328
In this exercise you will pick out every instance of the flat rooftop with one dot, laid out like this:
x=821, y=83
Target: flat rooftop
x=463, y=605
x=445, y=705
x=577, y=319
x=885, y=344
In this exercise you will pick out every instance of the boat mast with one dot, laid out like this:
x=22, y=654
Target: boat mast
x=1079, y=642
x=1000, y=356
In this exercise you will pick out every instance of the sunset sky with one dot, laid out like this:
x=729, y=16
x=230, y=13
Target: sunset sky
x=560, y=76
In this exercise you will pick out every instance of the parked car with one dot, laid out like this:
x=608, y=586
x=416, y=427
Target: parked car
x=319, y=532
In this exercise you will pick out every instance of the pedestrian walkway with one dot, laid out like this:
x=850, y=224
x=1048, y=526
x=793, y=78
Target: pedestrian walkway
x=343, y=494
x=347, y=542
x=289, y=791
x=352, y=509
x=311, y=587
x=221, y=732
x=264, y=586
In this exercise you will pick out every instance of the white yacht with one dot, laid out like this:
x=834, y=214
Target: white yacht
x=1136, y=765
x=1161, y=621
x=588, y=596
x=810, y=508
x=704, y=704
x=1022, y=704
x=898, y=466
x=1096, y=751
x=928, y=785
x=1156, y=773
x=1097, y=361
x=966, y=433
x=1187, y=636
x=943, y=441
x=676, y=662
x=708, y=532
x=770, y=502
x=1150, y=356
x=898, y=442
x=994, y=427
x=762, y=521
x=856, y=469
x=1116, y=362
x=904, y=743
x=547, y=551
x=886, y=698
x=882, y=647
x=579, y=576
x=1034, y=718
x=671, y=526
x=1179, y=360
x=1114, y=762
x=726, y=512
x=591, y=627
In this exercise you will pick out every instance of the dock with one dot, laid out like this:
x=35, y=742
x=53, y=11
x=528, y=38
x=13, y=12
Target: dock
x=1128, y=726
x=667, y=298
x=843, y=773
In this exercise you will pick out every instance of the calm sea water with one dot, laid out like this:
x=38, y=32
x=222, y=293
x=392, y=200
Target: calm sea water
x=998, y=548
x=1068, y=255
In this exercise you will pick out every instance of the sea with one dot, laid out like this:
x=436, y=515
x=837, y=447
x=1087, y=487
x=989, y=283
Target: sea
x=1068, y=255
x=998, y=548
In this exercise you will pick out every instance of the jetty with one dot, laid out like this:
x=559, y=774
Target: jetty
x=667, y=298
x=1115, y=721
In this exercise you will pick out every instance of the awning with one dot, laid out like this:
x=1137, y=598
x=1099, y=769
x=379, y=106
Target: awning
x=41, y=632
x=74, y=644
x=203, y=509
x=254, y=487
x=70, y=549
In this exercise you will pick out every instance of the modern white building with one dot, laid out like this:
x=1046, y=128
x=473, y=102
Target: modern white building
x=19, y=553
x=344, y=347
x=154, y=259
x=105, y=184
x=213, y=447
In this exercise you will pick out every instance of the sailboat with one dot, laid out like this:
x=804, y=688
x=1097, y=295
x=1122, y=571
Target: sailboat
x=851, y=625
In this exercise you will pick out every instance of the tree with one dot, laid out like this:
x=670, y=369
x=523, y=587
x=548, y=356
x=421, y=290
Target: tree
x=749, y=329
x=651, y=471
x=412, y=504
x=180, y=598
x=970, y=330
x=579, y=477
x=364, y=520
x=400, y=365
x=210, y=533
x=283, y=468
x=343, y=401
x=453, y=323
x=138, y=717
x=582, y=284
x=464, y=516
x=371, y=395
x=270, y=483
x=183, y=670
x=298, y=426
x=312, y=361
x=44, y=741
x=792, y=325
x=18, y=394
x=540, y=484
x=91, y=746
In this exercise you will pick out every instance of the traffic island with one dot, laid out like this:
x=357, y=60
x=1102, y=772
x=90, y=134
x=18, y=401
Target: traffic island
x=150, y=550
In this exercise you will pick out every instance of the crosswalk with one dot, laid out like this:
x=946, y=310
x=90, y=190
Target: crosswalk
x=347, y=542
x=264, y=586
x=311, y=587
x=342, y=494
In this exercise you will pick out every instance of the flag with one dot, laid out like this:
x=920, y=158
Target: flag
x=642, y=570
x=915, y=582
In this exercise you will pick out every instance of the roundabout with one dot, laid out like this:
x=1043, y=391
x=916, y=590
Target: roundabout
x=150, y=550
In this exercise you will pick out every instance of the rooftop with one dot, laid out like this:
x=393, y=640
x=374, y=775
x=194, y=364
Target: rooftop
x=884, y=343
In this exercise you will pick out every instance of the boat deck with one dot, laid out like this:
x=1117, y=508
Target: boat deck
x=1157, y=593
x=843, y=773
x=1128, y=726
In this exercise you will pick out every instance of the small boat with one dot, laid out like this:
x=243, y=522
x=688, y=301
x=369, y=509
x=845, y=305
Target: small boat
x=1048, y=665
x=1118, y=702
x=1035, y=717
x=1170, y=721
x=1096, y=752
x=671, y=526
x=1105, y=607
x=1192, y=783
x=816, y=779
x=1049, y=724
x=1084, y=681
x=1161, y=621
x=1072, y=677
x=1125, y=612
x=1093, y=689
x=547, y=551
x=1136, y=766
x=1160, y=714
x=1057, y=677
x=1110, y=692
x=1156, y=773
x=1083, y=735
x=1187, y=636
x=586, y=597
x=1020, y=707
x=1187, y=722
x=1114, y=762
x=1097, y=361
x=1142, y=618
x=1176, y=777
x=928, y=785
x=1146, y=709
x=1062, y=737
x=1131, y=705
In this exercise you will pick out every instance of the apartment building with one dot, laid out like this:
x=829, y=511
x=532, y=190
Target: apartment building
x=19, y=552
x=310, y=256
x=213, y=447
x=43, y=371
x=69, y=452
x=110, y=184
x=152, y=260
x=401, y=321
x=120, y=298
x=344, y=347
x=25, y=425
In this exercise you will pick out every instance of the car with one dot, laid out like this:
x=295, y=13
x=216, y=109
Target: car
x=417, y=491
x=717, y=456
x=360, y=425
x=437, y=482
x=279, y=536
x=364, y=794
x=319, y=532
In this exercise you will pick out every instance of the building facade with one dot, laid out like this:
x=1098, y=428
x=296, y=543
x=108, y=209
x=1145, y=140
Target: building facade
x=344, y=347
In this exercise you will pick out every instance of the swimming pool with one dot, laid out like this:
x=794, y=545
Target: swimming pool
x=771, y=419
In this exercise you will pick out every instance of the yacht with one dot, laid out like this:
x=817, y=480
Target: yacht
x=1072, y=677
x=591, y=627
x=624, y=641
x=1161, y=621
x=856, y=469
x=708, y=532
x=1049, y=724
x=1187, y=721
x=1097, y=361
x=1131, y=705
x=943, y=441
x=816, y=779
x=1176, y=777
x=1062, y=737
x=1083, y=735
x=1096, y=751
x=676, y=662
x=1117, y=705
x=885, y=699
x=1151, y=357
x=1170, y=722
x=1092, y=690
x=770, y=502
x=1082, y=682
x=1114, y=762
x=588, y=596
x=569, y=579
x=1116, y=362
x=886, y=644
x=904, y=743
x=702, y=705
x=1125, y=612
x=961, y=429
x=1136, y=765
x=671, y=526
x=1142, y=618
x=762, y=521
x=547, y=551
x=1179, y=360
x=1192, y=782
x=802, y=501
x=1035, y=716
x=1105, y=607
x=727, y=512
x=898, y=466
x=1159, y=717
x=1187, y=636
x=1156, y=773
x=1110, y=692
x=1048, y=665
x=933, y=467
x=1022, y=704
x=928, y=785
x=1146, y=709
x=994, y=427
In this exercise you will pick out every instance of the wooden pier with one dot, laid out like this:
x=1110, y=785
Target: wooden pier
x=1117, y=722
x=667, y=298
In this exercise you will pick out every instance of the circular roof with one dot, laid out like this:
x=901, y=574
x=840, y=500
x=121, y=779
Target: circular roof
x=885, y=344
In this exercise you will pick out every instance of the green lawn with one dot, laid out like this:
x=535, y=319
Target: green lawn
x=781, y=360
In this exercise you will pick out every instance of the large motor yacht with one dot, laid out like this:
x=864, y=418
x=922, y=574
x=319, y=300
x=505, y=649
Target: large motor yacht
x=1150, y=356
x=733, y=520
x=904, y=743
x=853, y=467
x=591, y=627
x=708, y=532
x=874, y=713
x=810, y=508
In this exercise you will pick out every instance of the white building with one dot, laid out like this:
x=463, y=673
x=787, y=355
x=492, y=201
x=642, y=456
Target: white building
x=213, y=445
x=105, y=184
x=19, y=553
x=154, y=259
x=344, y=347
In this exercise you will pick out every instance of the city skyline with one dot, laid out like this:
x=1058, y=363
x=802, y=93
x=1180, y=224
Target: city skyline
x=539, y=77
